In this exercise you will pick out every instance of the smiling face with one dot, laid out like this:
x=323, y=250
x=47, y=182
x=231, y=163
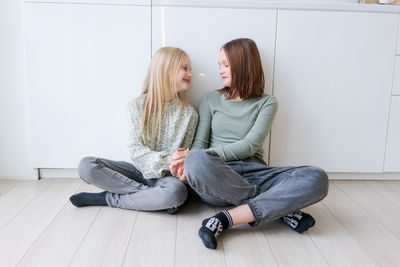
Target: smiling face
x=184, y=75
x=224, y=69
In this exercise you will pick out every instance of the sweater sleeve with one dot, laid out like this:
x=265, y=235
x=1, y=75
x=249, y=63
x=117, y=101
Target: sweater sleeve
x=249, y=145
x=152, y=164
x=191, y=129
x=202, y=137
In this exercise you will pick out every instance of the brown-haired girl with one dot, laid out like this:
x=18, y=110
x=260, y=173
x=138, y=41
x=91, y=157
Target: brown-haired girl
x=227, y=167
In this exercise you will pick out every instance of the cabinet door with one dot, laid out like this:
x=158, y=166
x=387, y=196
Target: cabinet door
x=392, y=159
x=85, y=63
x=333, y=80
x=398, y=41
x=201, y=32
x=396, y=77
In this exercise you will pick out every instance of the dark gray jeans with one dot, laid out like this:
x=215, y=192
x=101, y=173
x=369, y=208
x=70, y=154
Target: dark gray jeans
x=270, y=192
x=128, y=189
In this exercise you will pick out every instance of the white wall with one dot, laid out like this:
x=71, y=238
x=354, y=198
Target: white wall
x=15, y=159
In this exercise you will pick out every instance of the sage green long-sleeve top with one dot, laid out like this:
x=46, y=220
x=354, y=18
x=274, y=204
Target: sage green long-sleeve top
x=235, y=130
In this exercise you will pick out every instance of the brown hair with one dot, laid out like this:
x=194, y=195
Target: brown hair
x=247, y=75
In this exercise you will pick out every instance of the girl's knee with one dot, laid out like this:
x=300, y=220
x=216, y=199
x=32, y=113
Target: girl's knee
x=196, y=159
x=319, y=180
x=176, y=193
x=180, y=193
x=86, y=168
x=198, y=165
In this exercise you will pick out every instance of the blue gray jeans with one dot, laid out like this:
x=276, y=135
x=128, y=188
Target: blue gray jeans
x=270, y=192
x=128, y=189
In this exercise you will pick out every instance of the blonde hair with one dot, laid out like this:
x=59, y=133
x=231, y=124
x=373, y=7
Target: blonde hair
x=159, y=82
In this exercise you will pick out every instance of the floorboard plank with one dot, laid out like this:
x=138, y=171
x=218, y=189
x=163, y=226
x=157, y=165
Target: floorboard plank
x=107, y=240
x=334, y=242
x=12, y=202
x=378, y=207
x=6, y=185
x=291, y=248
x=58, y=244
x=389, y=190
x=20, y=233
x=382, y=245
x=153, y=240
x=246, y=246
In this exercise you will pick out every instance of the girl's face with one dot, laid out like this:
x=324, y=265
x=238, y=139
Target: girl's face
x=184, y=76
x=224, y=69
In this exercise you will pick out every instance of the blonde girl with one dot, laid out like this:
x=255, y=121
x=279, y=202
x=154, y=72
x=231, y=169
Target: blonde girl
x=160, y=122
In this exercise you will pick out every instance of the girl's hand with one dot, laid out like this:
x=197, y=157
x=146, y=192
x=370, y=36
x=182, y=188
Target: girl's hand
x=178, y=159
x=181, y=153
x=182, y=175
x=175, y=166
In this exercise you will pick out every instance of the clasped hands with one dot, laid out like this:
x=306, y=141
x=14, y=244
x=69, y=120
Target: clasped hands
x=177, y=162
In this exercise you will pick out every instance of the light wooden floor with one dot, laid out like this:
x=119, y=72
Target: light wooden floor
x=358, y=224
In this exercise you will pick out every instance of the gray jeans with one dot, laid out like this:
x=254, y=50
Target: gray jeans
x=270, y=192
x=128, y=189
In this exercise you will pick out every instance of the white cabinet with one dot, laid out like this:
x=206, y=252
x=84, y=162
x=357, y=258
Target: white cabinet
x=201, y=32
x=392, y=159
x=85, y=63
x=396, y=78
x=333, y=81
x=398, y=41
x=333, y=77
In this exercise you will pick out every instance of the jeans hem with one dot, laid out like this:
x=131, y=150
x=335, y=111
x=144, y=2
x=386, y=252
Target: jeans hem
x=108, y=199
x=256, y=213
x=259, y=220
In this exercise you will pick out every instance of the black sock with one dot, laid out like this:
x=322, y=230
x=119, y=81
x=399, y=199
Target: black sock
x=89, y=199
x=212, y=227
x=173, y=210
x=299, y=221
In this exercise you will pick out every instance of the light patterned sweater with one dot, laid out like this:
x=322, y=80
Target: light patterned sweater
x=152, y=158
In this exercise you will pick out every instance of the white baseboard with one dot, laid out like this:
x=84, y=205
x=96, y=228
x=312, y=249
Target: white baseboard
x=364, y=176
x=73, y=173
x=58, y=173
